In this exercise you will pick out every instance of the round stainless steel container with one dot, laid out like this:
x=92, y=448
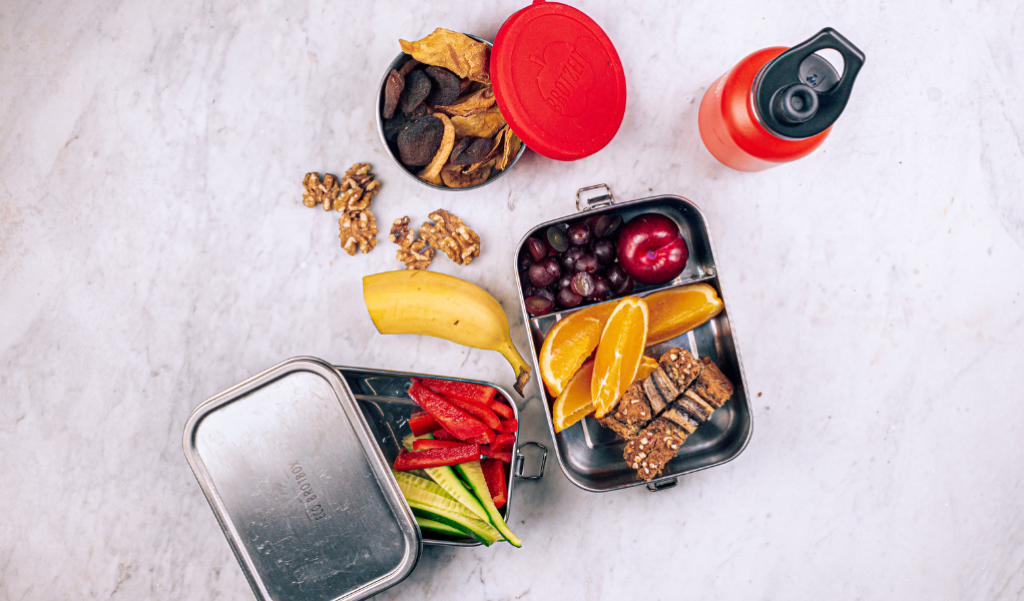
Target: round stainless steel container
x=395, y=64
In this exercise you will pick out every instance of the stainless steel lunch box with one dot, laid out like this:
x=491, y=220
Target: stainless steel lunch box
x=591, y=455
x=295, y=463
x=379, y=107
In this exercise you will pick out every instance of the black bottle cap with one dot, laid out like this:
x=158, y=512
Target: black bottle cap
x=799, y=94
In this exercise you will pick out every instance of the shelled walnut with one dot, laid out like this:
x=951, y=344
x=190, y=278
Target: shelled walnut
x=357, y=189
x=452, y=236
x=357, y=228
x=320, y=192
x=412, y=251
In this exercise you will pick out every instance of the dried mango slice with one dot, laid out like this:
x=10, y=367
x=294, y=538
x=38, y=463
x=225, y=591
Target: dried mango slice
x=454, y=51
x=470, y=104
x=432, y=172
x=511, y=149
x=482, y=125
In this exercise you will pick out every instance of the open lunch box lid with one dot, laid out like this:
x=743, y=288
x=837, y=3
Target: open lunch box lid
x=558, y=80
x=303, y=493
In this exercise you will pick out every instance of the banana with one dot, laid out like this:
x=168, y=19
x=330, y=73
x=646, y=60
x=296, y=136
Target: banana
x=434, y=304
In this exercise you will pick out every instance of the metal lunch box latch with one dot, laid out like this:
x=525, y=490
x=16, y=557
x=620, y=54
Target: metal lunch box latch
x=520, y=462
x=589, y=198
x=662, y=485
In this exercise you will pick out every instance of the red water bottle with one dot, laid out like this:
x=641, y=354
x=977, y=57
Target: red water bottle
x=777, y=105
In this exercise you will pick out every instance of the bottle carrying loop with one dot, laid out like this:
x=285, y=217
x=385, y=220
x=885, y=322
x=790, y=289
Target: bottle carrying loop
x=799, y=94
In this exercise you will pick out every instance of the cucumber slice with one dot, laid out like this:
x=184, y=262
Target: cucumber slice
x=474, y=477
x=422, y=484
x=440, y=528
x=429, y=500
x=478, y=529
x=446, y=479
x=417, y=497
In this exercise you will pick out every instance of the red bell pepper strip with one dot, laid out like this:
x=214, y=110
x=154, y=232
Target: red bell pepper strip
x=502, y=410
x=419, y=460
x=481, y=413
x=486, y=438
x=423, y=423
x=508, y=426
x=442, y=434
x=504, y=443
x=478, y=411
x=494, y=475
x=425, y=444
x=488, y=451
x=477, y=394
x=458, y=422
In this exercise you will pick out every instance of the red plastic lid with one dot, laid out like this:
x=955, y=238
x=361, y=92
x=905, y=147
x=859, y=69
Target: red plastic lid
x=558, y=81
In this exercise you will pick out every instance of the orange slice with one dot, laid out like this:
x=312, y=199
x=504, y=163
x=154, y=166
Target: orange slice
x=619, y=353
x=680, y=310
x=569, y=343
x=647, y=365
x=575, y=402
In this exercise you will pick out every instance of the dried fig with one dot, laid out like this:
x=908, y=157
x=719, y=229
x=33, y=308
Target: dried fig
x=471, y=150
x=392, y=91
x=417, y=88
x=407, y=66
x=395, y=125
x=454, y=176
x=420, y=140
x=432, y=172
x=446, y=86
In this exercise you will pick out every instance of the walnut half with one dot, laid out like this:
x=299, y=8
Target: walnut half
x=357, y=228
x=452, y=236
x=412, y=251
x=320, y=193
x=357, y=189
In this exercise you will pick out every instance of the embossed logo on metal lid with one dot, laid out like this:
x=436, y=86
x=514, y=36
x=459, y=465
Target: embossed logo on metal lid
x=301, y=491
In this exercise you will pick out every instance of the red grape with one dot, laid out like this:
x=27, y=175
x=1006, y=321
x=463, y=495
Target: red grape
x=536, y=249
x=538, y=305
x=583, y=284
x=588, y=263
x=601, y=289
x=556, y=239
x=604, y=250
x=579, y=234
x=569, y=299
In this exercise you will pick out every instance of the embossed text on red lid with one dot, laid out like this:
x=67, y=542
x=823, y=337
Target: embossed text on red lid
x=558, y=81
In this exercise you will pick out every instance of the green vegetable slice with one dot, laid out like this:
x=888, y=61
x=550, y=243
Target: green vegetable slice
x=446, y=479
x=478, y=529
x=441, y=528
x=474, y=476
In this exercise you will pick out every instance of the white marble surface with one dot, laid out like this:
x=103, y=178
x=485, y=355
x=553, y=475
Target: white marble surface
x=153, y=252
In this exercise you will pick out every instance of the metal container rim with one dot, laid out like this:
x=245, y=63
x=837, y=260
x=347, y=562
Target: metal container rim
x=515, y=446
x=387, y=147
x=533, y=351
